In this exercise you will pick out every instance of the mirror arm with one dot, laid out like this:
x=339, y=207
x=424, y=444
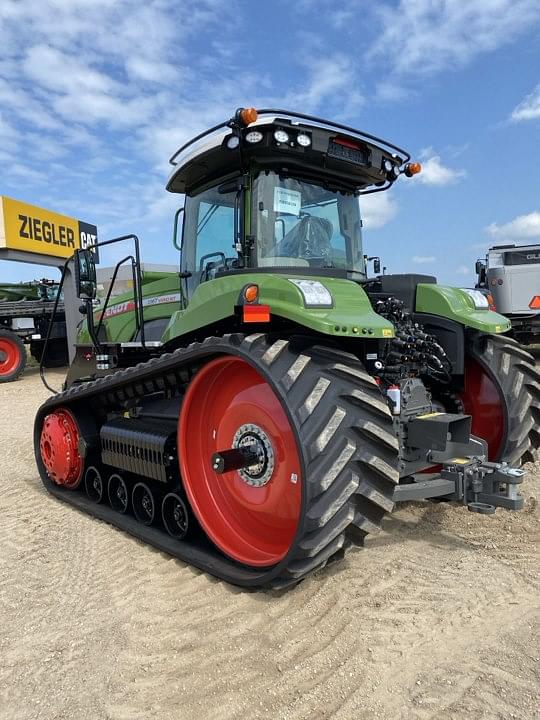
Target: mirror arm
x=91, y=325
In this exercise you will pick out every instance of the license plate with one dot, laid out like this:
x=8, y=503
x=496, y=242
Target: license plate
x=353, y=155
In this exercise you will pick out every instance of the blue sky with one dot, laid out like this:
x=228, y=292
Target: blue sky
x=95, y=95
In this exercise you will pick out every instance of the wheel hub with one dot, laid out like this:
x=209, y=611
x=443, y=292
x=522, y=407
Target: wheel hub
x=254, y=437
x=59, y=448
x=179, y=516
x=239, y=462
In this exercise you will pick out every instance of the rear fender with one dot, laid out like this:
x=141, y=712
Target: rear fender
x=455, y=304
x=350, y=313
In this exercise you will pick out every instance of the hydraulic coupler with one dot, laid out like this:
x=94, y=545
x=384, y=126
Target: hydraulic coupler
x=482, y=486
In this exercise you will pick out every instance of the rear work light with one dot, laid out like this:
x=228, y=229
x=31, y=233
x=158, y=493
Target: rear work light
x=535, y=302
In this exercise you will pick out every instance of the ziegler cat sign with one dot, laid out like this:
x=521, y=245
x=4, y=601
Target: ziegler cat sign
x=32, y=229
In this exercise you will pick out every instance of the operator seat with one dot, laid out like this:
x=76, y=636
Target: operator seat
x=309, y=238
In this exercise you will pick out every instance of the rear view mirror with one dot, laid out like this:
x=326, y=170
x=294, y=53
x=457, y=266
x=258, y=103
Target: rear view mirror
x=376, y=263
x=85, y=274
x=479, y=267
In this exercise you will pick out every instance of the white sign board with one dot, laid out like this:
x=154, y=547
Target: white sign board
x=287, y=201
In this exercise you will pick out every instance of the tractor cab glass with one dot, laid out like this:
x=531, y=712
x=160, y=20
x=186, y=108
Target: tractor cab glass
x=209, y=221
x=299, y=224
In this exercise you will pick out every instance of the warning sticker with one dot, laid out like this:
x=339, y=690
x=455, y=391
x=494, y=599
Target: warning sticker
x=287, y=201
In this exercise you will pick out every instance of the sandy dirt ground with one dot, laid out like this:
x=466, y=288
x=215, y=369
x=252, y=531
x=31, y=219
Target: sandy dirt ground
x=438, y=617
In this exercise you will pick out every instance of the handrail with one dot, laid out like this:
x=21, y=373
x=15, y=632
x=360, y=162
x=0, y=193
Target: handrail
x=137, y=297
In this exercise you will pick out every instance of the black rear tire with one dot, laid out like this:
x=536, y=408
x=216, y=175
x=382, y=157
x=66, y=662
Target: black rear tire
x=515, y=373
x=349, y=448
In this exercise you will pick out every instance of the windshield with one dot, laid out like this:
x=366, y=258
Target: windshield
x=298, y=224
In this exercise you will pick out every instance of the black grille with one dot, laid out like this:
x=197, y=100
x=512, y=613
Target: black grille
x=143, y=447
x=522, y=257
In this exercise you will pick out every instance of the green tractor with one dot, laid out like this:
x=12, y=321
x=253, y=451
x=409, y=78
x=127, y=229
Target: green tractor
x=262, y=411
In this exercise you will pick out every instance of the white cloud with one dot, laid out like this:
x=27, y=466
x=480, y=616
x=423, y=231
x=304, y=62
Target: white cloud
x=427, y=36
x=64, y=73
x=328, y=78
x=156, y=72
x=391, y=92
x=434, y=172
x=520, y=228
x=528, y=108
x=424, y=259
x=480, y=247
x=377, y=209
x=24, y=172
x=463, y=270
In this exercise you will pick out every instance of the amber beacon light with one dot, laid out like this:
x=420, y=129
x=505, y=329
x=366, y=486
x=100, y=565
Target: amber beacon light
x=412, y=169
x=248, y=115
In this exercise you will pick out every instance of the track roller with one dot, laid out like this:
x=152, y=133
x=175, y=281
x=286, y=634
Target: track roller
x=175, y=516
x=93, y=484
x=143, y=503
x=118, y=493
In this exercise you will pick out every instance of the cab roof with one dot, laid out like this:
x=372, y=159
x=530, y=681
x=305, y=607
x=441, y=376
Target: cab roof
x=332, y=153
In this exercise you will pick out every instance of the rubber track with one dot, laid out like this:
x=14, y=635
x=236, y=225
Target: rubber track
x=345, y=438
x=514, y=370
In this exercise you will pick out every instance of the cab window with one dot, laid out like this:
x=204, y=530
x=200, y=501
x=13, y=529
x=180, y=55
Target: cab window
x=208, y=236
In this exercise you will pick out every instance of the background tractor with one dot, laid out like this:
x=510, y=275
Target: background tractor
x=510, y=274
x=25, y=312
x=261, y=411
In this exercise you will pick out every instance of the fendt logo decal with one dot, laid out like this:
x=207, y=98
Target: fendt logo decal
x=32, y=229
x=129, y=306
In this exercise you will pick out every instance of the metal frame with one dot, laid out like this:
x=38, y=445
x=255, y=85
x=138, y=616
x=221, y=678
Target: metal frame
x=137, y=297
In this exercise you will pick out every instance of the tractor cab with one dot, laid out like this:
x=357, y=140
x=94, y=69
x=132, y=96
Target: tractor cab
x=278, y=191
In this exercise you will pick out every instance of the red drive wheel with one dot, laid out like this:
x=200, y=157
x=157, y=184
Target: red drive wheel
x=12, y=356
x=482, y=399
x=250, y=513
x=59, y=451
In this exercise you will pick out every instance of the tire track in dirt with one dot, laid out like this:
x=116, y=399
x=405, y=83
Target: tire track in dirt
x=53, y=620
x=437, y=618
